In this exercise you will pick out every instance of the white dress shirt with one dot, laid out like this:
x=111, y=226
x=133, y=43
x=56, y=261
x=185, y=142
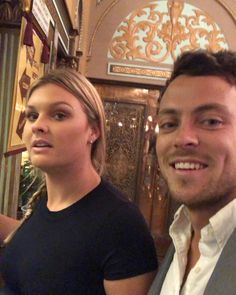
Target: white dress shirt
x=213, y=239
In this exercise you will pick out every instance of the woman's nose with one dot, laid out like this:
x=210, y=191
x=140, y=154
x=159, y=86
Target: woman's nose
x=40, y=125
x=186, y=136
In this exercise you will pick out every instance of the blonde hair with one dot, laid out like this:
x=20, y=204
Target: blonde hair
x=30, y=207
x=85, y=92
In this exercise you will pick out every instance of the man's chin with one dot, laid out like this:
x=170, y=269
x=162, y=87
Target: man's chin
x=191, y=201
x=194, y=203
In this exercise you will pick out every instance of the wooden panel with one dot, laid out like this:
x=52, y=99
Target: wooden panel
x=124, y=122
x=131, y=161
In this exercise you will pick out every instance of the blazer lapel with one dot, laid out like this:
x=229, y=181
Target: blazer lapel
x=223, y=278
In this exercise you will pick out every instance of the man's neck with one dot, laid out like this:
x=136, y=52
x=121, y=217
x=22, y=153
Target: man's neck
x=193, y=254
x=199, y=219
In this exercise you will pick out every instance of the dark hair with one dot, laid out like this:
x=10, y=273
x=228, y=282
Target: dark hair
x=204, y=63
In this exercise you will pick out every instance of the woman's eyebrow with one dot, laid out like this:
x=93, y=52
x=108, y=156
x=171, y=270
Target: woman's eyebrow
x=58, y=103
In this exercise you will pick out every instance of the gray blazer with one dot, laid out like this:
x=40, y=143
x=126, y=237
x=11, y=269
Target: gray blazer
x=223, y=278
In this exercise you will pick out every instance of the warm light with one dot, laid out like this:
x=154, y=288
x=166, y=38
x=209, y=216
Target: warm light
x=20, y=107
x=157, y=129
x=24, y=157
x=150, y=118
x=120, y=124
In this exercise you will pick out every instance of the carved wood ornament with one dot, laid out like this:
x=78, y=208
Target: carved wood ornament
x=160, y=31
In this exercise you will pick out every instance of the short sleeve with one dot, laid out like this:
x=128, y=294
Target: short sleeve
x=124, y=246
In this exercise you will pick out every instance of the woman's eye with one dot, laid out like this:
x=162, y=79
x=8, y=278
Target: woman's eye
x=31, y=116
x=60, y=116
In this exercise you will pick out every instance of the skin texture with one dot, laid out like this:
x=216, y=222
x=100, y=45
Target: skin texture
x=56, y=121
x=138, y=285
x=7, y=225
x=197, y=121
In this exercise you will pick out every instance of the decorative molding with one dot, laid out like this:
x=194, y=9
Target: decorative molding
x=98, y=2
x=228, y=9
x=10, y=12
x=137, y=71
x=99, y=24
x=80, y=25
x=160, y=31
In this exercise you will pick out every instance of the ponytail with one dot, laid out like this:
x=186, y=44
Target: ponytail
x=29, y=210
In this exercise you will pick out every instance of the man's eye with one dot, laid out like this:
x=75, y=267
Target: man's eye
x=59, y=116
x=31, y=116
x=212, y=122
x=167, y=126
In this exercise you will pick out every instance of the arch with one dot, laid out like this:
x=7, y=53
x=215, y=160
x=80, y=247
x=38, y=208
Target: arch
x=160, y=30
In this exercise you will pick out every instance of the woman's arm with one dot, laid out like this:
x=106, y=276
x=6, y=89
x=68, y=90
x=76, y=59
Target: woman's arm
x=7, y=225
x=138, y=285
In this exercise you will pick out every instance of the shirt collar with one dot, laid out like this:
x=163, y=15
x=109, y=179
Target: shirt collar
x=180, y=229
x=222, y=224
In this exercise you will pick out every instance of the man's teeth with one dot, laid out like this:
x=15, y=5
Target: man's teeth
x=188, y=166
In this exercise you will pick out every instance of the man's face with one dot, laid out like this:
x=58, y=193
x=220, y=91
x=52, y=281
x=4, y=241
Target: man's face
x=196, y=144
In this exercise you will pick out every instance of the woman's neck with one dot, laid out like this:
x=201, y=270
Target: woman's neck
x=66, y=188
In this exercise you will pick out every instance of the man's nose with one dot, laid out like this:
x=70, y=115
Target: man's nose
x=40, y=125
x=186, y=136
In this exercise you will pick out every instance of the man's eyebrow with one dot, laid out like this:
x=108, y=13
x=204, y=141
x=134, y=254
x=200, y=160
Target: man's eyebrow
x=197, y=110
x=168, y=111
x=212, y=107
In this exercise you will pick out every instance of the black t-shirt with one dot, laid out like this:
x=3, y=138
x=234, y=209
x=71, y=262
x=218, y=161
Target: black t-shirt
x=102, y=236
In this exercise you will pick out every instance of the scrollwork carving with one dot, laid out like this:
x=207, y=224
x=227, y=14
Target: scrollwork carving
x=124, y=123
x=160, y=31
x=10, y=11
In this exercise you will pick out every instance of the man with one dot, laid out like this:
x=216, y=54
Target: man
x=196, y=149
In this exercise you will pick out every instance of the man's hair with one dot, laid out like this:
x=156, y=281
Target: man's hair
x=204, y=63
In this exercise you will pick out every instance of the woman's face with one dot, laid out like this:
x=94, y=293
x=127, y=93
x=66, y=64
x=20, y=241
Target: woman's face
x=57, y=133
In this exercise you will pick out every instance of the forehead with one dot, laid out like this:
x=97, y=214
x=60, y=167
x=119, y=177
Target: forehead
x=187, y=92
x=50, y=94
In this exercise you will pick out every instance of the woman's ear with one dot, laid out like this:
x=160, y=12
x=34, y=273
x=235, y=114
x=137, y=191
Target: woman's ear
x=95, y=133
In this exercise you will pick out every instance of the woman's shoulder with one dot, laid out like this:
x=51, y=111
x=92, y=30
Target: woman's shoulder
x=118, y=206
x=112, y=192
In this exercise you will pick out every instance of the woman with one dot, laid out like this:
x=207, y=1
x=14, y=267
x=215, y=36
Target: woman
x=80, y=235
